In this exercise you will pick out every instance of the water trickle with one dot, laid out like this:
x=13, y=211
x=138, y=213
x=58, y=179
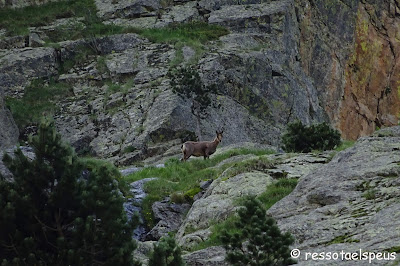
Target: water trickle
x=133, y=205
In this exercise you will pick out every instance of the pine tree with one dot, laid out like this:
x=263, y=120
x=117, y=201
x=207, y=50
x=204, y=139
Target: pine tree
x=59, y=211
x=166, y=253
x=258, y=240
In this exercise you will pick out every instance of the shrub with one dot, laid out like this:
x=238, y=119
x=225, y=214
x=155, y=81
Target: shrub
x=166, y=253
x=300, y=138
x=186, y=82
x=58, y=210
x=259, y=240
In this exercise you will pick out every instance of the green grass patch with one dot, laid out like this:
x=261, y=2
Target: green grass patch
x=38, y=100
x=214, y=239
x=17, y=21
x=260, y=163
x=393, y=249
x=194, y=32
x=345, y=144
x=370, y=194
x=277, y=191
x=343, y=239
x=179, y=177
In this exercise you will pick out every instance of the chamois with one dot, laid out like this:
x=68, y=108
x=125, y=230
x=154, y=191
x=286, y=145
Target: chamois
x=201, y=148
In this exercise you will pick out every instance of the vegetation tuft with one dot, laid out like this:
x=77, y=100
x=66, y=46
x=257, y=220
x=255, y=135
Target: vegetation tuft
x=189, y=33
x=301, y=138
x=186, y=82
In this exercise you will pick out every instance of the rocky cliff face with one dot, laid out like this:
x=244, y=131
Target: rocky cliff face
x=349, y=48
x=283, y=60
x=260, y=83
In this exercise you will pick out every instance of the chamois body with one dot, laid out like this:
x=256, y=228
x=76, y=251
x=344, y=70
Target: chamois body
x=200, y=148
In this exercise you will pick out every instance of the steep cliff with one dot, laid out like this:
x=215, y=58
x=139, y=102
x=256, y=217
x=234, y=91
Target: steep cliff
x=121, y=105
x=350, y=50
x=315, y=61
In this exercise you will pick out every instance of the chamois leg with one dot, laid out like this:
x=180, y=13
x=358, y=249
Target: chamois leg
x=185, y=156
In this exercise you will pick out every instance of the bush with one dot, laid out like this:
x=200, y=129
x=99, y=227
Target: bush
x=186, y=82
x=300, y=138
x=166, y=253
x=58, y=210
x=258, y=240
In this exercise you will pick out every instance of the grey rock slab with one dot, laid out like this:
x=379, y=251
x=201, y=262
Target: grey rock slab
x=108, y=9
x=250, y=18
x=18, y=67
x=212, y=256
x=218, y=203
x=354, y=198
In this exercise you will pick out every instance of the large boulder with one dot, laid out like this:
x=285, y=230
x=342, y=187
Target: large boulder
x=168, y=217
x=219, y=201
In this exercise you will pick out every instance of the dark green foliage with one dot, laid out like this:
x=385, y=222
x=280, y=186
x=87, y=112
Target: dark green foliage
x=59, y=210
x=166, y=253
x=259, y=240
x=39, y=99
x=186, y=82
x=300, y=138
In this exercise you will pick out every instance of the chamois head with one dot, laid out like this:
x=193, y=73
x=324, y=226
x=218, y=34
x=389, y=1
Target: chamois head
x=219, y=135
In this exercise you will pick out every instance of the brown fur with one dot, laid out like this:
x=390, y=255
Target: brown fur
x=200, y=148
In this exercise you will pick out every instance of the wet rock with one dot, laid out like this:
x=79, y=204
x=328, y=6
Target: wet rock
x=132, y=205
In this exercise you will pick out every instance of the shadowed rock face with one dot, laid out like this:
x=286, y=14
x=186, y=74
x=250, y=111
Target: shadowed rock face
x=351, y=203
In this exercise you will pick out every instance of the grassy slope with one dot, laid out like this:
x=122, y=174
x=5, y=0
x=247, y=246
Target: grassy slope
x=180, y=180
